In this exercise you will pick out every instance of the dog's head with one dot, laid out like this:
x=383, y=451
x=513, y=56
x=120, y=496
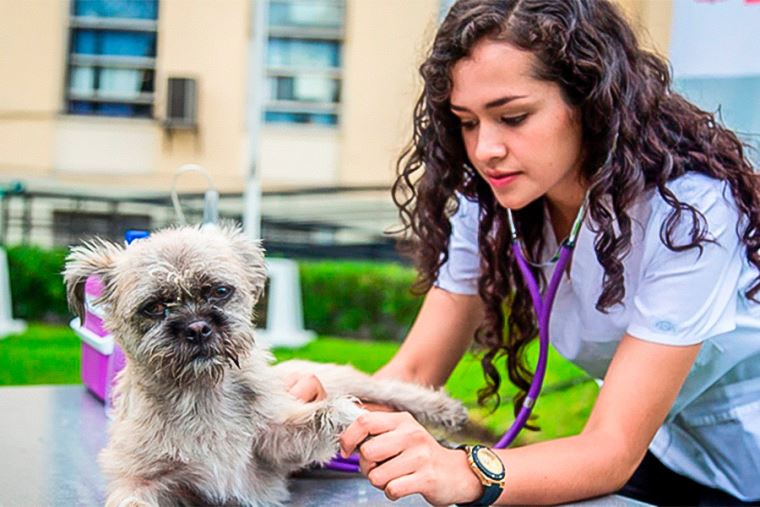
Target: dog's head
x=179, y=302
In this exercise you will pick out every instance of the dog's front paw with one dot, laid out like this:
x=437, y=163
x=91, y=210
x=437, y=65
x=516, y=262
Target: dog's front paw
x=343, y=411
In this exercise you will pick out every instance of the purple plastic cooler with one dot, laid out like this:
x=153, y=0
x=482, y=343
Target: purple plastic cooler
x=102, y=359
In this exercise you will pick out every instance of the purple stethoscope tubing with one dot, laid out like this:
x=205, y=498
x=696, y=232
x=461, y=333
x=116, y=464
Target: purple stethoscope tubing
x=543, y=307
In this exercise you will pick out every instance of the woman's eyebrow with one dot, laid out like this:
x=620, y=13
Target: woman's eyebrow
x=494, y=103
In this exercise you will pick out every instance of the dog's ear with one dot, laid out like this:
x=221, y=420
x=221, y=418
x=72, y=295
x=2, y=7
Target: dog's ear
x=252, y=256
x=94, y=257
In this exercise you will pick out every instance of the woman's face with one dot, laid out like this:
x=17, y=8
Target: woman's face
x=519, y=133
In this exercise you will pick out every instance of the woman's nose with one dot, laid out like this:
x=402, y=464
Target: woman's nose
x=490, y=145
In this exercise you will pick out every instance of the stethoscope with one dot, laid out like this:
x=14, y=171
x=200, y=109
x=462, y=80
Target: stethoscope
x=543, y=307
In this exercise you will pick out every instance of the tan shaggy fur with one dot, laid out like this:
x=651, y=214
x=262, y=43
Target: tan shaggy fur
x=201, y=414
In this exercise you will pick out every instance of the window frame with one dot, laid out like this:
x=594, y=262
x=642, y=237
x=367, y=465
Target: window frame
x=113, y=24
x=304, y=33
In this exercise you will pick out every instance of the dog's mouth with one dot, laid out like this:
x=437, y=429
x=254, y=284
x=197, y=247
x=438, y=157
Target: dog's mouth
x=206, y=355
x=201, y=364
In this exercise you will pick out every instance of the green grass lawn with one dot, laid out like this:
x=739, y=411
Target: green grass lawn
x=50, y=355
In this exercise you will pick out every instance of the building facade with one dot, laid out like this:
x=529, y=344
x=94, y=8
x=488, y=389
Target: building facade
x=86, y=104
x=111, y=96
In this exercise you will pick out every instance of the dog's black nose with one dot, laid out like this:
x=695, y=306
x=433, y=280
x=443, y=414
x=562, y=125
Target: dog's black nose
x=198, y=331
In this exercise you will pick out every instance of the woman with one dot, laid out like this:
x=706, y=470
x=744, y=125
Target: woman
x=539, y=106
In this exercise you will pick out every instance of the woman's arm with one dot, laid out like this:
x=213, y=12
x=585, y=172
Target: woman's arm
x=641, y=385
x=639, y=389
x=441, y=334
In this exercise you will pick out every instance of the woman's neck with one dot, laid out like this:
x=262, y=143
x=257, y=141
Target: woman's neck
x=563, y=210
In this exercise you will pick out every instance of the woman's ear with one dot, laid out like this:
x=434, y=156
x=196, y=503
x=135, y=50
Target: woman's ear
x=95, y=257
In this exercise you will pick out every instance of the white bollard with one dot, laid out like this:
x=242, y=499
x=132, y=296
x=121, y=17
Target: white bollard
x=284, y=307
x=8, y=325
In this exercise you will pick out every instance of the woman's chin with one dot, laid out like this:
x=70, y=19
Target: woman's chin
x=510, y=201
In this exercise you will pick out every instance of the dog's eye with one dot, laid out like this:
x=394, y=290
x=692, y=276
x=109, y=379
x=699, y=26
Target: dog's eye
x=154, y=309
x=220, y=293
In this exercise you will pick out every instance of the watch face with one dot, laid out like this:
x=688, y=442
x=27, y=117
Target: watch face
x=488, y=462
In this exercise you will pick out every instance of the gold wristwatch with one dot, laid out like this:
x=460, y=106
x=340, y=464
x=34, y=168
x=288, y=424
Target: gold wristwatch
x=489, y=469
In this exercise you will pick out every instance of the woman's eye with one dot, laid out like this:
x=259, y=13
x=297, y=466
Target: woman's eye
x=467, y=125
x=155, y=309
x=513, y=121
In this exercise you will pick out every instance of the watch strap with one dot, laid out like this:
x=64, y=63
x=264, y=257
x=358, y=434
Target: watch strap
x=490, y=495
x=491, y=492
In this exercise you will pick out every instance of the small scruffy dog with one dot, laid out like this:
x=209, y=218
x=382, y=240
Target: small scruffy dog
x=201, y=415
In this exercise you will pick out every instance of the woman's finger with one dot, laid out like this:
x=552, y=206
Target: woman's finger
x=290, y=380
x=368, y=424
x=406, y=462
x=308, y=388
x=402, y=486
x=382, y=447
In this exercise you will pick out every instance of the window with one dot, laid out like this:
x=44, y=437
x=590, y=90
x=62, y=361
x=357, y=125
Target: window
x=69, y=227
x=112, y=57
x=303, y=61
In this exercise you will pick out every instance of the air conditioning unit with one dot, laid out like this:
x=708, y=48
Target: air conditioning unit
x=181, y=100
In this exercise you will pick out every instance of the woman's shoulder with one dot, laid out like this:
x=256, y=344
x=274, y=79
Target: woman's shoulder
x=702, y=192
x=717, y=213
x=467, y=210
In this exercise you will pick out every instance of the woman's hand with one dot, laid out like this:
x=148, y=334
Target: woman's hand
x=400, y=457
x=305, y=387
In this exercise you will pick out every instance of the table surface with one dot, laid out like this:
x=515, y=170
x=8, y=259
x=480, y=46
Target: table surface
x=50, y=437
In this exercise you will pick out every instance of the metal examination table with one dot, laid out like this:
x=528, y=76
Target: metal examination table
x=50, y=437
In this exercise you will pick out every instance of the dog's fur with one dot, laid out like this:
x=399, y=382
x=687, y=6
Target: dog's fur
x=201, y=415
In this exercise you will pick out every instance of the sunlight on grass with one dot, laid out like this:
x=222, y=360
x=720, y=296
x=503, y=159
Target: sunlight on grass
x=43, y=354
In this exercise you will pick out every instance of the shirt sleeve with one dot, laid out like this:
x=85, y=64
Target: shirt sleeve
x=687, y=297
x=460, y=273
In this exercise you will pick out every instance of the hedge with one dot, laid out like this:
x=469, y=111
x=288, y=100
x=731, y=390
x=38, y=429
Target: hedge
x=341, y=298
x=358, y=299
x=36, y=283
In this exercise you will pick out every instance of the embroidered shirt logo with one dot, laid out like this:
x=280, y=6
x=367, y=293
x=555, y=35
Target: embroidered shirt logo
x=665, y=326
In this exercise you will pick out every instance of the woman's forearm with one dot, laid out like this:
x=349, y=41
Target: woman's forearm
x=567, y=469
x=439, y=337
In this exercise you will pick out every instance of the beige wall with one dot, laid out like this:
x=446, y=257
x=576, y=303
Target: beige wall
x=209, y=39
x=204, y=39
x=652, y=19
x=385, y=43
x=32, y=55
x=299, y=156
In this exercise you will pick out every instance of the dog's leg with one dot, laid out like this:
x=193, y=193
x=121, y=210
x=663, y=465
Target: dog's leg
x=308, y=432
x=429, y=406
x=135, y=493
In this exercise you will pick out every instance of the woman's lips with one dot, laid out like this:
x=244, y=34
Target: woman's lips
x=501, y=180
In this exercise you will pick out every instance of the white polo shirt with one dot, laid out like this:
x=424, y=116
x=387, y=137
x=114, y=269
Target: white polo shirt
x=712, y=433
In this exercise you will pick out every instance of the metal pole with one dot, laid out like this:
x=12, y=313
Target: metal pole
x=256, y=90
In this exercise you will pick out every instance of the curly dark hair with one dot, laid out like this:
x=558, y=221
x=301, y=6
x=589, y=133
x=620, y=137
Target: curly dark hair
x=623, y=93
